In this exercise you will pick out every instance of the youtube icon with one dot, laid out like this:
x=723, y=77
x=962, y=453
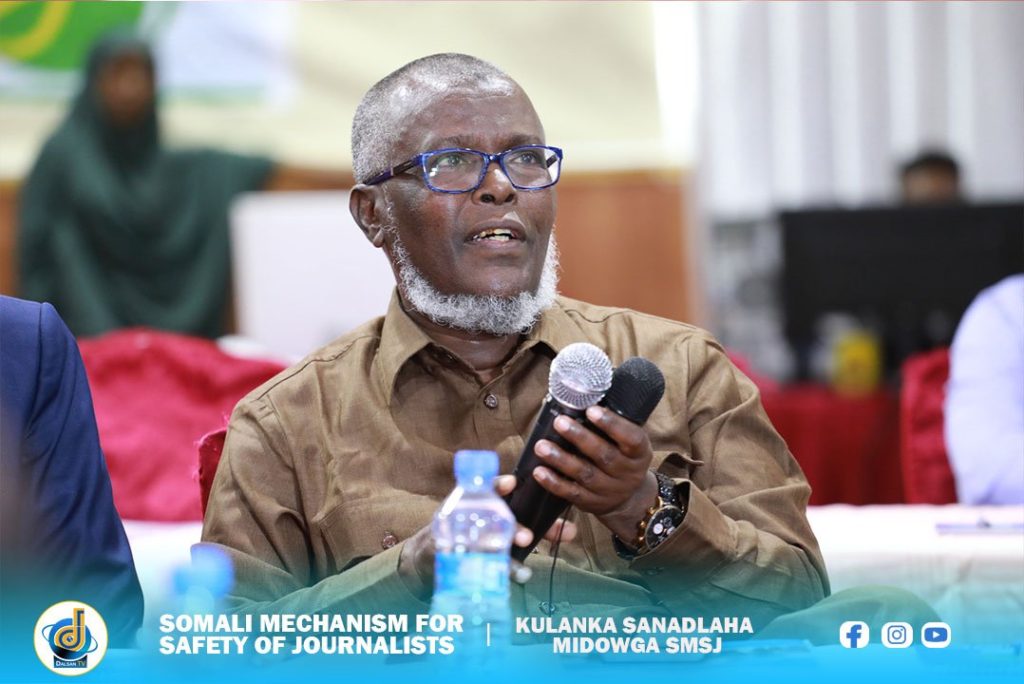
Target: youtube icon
x=936, y=635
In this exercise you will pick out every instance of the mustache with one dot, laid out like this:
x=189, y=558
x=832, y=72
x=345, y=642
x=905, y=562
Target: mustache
x=490, y=314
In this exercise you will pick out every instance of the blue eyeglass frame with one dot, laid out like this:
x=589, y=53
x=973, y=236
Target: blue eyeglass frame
x=421, y=160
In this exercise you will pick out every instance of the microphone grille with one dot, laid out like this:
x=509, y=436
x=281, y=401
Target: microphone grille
x=580, y=375
x=637, y=387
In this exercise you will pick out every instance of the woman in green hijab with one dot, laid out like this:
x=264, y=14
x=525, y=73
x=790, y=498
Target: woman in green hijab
x=114, y=229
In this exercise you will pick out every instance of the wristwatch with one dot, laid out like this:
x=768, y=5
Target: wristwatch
x=660, y=521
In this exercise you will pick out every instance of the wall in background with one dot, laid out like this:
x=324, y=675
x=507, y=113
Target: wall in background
x=810, y=103
x=815, y=104
x=621, y=237
x=285, y=78
x=8, y=267
x=297, y=71
x=798, y=103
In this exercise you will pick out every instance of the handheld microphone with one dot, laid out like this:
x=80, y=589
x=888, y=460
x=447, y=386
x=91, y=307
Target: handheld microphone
x=579, y=377
x=635, y=390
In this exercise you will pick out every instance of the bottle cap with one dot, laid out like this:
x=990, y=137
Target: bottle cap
x=471, y=464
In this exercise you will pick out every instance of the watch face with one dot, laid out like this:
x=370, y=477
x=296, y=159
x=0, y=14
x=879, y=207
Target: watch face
x=663, y=523
x=667, y=489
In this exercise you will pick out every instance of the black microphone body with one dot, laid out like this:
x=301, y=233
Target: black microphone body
x=534, y=506
x=580, y=376
x=636, y=388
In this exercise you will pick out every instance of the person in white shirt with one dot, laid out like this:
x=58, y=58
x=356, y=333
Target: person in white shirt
x=985, y=397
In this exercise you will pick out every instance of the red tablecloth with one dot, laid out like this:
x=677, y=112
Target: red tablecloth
x=156, y=394
x=847, y=446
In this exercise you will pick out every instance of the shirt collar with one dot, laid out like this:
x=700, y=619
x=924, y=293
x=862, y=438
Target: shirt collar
x=401, y=338
x=555, y=329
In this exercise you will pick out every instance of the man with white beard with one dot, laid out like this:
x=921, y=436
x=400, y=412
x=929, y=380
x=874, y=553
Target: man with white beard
x=332, y=470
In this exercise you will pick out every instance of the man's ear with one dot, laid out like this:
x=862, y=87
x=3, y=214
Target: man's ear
x=366, y=204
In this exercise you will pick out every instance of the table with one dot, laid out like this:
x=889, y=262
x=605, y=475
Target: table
x=848, y=447
x=974, y=578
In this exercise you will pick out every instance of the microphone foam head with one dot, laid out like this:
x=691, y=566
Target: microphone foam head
x=637, y=387
x=580, y=375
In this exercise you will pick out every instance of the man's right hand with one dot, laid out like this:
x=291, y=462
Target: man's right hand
x=416, y=563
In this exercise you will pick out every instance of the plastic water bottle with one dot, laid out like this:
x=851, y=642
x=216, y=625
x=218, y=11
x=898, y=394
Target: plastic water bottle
x=201, y=586
x=473, y=536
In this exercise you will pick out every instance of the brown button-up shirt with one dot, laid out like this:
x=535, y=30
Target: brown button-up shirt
x=331, y=465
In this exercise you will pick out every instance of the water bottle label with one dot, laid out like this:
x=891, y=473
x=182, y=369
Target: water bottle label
x=472, y=573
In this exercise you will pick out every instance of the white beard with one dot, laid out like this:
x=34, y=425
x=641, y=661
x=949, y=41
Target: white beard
x=492, y=314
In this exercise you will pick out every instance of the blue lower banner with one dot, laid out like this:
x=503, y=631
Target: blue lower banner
x=197, y=648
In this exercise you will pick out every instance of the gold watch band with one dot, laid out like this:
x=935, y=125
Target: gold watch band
x=641, y=537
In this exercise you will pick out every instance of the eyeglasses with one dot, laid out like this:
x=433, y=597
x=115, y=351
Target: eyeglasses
x=456, y=169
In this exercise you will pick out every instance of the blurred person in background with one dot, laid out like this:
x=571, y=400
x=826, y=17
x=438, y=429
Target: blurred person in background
x=932, y=177
x=985, y=397
x=115, y=230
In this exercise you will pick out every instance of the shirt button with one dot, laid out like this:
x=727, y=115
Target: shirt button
x=388, y=540
x=651, y=572
x=491, y=401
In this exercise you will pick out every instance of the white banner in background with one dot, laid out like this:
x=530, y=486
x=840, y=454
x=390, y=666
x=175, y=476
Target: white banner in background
x=44, y=46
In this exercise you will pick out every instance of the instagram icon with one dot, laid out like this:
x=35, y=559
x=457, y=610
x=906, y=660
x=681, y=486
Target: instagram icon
x=897, y=635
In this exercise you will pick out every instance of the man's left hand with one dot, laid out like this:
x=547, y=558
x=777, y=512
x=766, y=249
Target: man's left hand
x=613, y=481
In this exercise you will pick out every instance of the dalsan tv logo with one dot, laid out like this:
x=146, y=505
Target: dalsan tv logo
x=71, y=638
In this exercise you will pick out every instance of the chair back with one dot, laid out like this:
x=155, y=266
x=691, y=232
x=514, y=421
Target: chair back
x=927, y=475
x=211, y=446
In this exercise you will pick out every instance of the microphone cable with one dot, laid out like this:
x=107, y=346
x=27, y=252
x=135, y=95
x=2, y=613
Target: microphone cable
x=548, y=607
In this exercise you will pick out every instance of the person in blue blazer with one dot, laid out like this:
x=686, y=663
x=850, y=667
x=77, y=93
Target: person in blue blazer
x=60, y=535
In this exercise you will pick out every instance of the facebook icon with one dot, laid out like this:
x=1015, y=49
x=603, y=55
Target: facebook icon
x=854, y=634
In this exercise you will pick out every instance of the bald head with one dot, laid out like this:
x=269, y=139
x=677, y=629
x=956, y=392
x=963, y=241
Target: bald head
x=378, y=120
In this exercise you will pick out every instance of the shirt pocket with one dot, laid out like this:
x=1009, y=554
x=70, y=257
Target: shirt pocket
x=356, y=530
x=677, y=464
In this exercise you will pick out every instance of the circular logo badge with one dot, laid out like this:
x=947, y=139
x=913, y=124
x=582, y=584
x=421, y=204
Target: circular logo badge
x=71, y=638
